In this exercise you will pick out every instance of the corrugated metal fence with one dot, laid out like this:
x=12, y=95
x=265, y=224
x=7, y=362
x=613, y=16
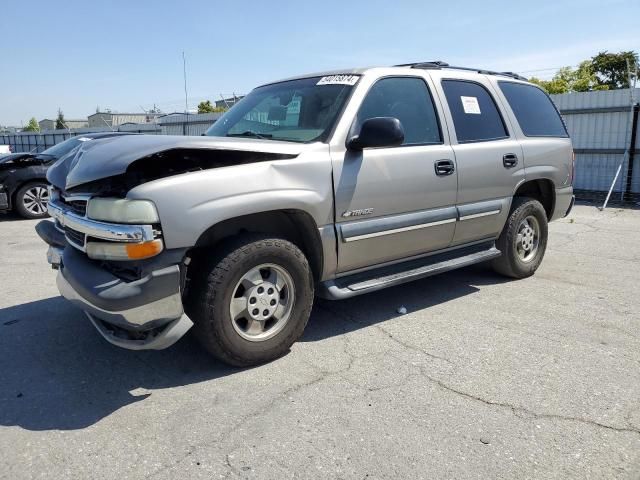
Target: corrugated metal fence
x=599, y=124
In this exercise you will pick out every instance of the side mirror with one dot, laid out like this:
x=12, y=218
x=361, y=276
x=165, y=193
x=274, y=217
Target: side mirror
x=377, y=132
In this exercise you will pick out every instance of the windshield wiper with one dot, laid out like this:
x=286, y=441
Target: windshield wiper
x=250, y=133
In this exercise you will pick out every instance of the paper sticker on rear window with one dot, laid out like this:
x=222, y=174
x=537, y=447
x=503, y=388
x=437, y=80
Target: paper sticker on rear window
x=470, y=105
x=338, y=80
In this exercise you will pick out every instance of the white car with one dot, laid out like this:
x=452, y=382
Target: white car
x=5, y=150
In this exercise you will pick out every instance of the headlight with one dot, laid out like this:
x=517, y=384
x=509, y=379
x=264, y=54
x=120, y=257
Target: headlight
x=122, y=210
x=123, y=251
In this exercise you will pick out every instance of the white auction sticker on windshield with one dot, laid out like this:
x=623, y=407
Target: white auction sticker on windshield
x=338, y=80
x=470, y=105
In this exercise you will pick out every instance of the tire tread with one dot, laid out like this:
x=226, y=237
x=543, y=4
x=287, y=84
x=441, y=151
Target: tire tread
x=211, y=280
x=505, y=264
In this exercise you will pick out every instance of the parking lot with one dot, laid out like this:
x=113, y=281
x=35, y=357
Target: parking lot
x=481, y=378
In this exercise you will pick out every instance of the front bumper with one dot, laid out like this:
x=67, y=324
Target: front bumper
x=143, y=314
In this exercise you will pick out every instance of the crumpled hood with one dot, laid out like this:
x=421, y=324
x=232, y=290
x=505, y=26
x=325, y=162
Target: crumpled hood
x=13, y=158
x=105, y=158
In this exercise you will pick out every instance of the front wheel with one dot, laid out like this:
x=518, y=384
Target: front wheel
x=251, y=301
x=31, y=200
x=523, y=240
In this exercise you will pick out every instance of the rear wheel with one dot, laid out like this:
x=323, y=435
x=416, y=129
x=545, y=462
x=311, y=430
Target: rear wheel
x=31, y=200
x=251, y=301
x=523, y=240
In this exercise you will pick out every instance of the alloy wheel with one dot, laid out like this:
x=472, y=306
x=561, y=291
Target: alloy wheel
x=262, y=302
x=528, y=238
x=35, y=200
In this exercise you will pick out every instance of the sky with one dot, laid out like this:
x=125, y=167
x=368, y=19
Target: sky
x=126, y=55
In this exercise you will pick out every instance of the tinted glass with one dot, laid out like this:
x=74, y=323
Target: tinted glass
x=408, y=100
x=296, y=111
x=534, y=110
x=475, y=115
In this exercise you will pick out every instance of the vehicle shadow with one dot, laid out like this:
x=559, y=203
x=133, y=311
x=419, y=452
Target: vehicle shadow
x=344, y=316
x=10, y=216
x=57, y=373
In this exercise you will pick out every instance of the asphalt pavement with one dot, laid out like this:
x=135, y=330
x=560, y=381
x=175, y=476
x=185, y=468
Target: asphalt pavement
x=482, y=378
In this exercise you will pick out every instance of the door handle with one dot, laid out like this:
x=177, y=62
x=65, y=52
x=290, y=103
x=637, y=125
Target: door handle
x=444, y=167
x=509, y=160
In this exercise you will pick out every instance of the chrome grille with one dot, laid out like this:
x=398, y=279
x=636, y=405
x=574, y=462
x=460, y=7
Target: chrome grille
x=75, y=236
x=79, y=207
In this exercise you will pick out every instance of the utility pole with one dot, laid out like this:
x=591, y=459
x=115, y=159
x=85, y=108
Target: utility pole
x=184, y=72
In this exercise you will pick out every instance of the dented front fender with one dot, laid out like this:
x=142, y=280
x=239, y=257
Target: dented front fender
x=190, y=203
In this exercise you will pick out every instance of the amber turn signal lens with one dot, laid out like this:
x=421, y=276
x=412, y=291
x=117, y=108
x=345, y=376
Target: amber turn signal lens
x=123, y=251
x=138, y=251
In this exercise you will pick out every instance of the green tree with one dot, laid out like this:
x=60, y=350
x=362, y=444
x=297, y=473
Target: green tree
x=32, y=126
x=60, y=125
x=208, y=107
x=205, y=107
x=605, y=71
x=567, y=79
x=611, y=69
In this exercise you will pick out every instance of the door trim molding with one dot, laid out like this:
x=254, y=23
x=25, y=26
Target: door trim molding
x=398, y=230
x=388, y=225
x=478, y=215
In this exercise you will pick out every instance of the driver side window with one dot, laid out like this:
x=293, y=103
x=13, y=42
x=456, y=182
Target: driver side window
x=408, y=100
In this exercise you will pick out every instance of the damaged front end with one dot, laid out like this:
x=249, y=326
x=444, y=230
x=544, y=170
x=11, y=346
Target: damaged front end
x=119, y=274
x=110, y=250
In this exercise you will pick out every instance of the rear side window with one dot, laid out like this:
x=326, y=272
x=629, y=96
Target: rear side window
x=534, y=110
x=407, y=99
x=475, y=115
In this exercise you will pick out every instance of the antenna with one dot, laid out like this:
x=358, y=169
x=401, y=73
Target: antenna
x=184, y=72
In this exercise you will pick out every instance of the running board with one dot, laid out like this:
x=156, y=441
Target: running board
x=372, y=280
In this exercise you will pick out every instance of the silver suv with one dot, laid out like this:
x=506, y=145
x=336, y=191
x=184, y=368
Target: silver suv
x=335, y=184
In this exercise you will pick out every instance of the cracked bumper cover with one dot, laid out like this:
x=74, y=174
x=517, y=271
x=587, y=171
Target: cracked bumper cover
x=144, y=314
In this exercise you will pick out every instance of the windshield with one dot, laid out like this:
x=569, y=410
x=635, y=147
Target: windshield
x=295, y=111
x=65, y=147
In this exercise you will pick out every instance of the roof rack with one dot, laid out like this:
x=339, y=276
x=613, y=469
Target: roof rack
x=439, y=64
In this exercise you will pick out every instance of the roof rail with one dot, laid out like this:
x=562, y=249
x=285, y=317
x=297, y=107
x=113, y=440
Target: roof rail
x=439, y=64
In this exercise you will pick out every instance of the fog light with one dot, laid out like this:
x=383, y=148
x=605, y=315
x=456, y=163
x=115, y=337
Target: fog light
x=124, y=251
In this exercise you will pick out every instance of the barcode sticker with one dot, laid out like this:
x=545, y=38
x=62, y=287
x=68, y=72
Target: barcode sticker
x=338, y=80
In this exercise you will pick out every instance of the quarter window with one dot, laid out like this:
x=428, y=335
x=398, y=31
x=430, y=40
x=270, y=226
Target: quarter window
x=534, y=110
x=408, y=100
x=475, y=115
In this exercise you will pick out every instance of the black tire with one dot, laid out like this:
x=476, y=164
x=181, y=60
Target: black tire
x=21, y=200
x=510, y=263
x=213, y=284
